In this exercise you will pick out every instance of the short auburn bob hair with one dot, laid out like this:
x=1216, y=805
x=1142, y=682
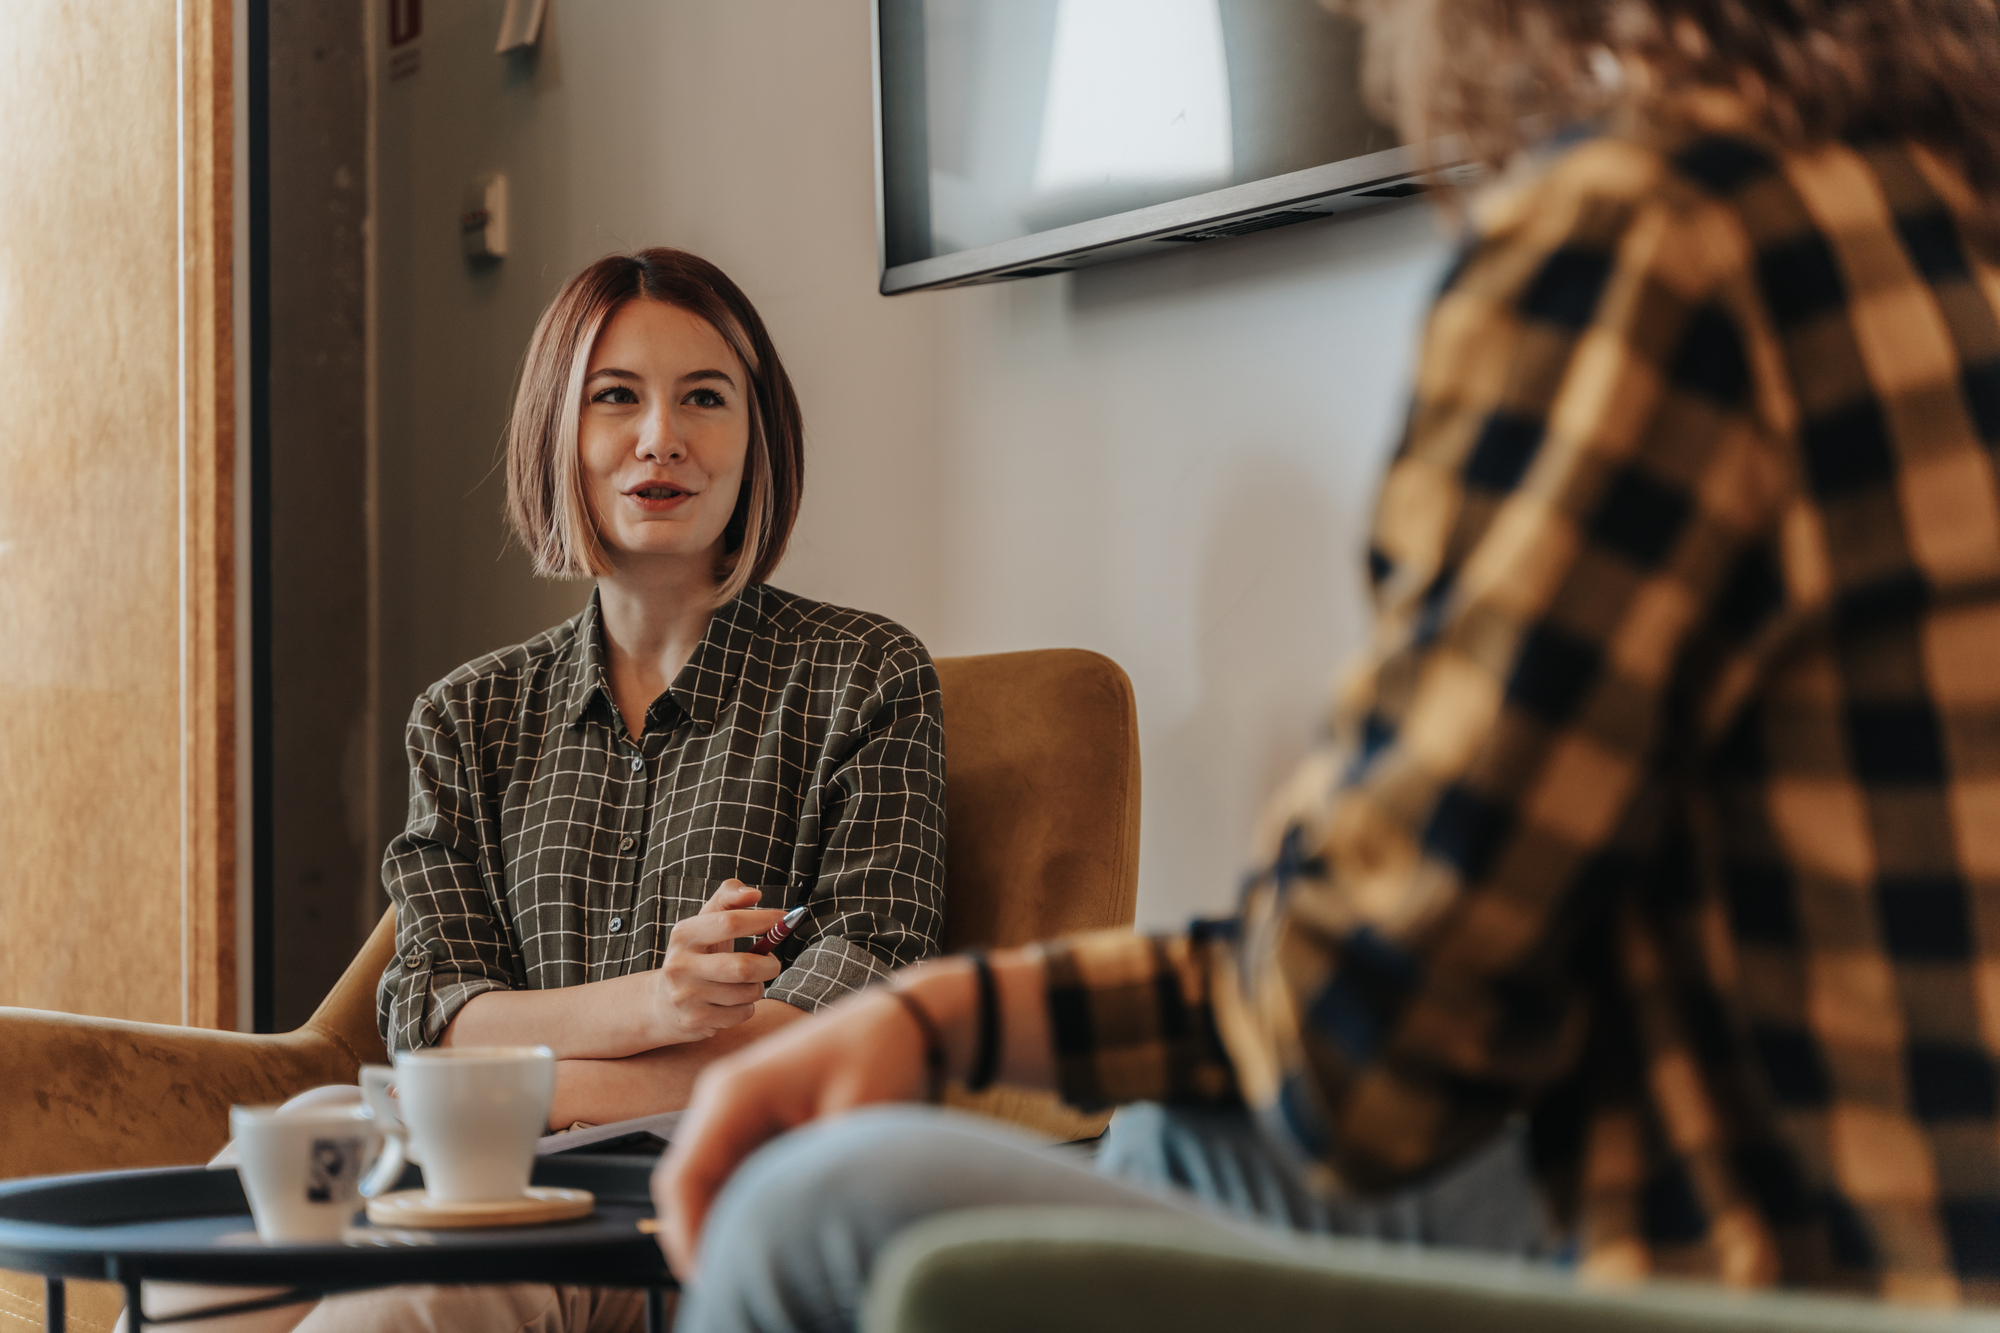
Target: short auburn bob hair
x=546, y=501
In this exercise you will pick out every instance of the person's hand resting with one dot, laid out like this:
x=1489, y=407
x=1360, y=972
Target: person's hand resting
x=865, y=1049
x=703, y=986
x=703, y=1001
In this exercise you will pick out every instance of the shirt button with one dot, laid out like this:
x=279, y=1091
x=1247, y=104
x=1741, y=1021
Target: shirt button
x=637, y=763
x=626, y=845
x=617, y=924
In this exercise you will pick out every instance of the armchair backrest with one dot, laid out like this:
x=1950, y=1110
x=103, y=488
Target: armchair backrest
x=1041, y=796
x=347, y=1014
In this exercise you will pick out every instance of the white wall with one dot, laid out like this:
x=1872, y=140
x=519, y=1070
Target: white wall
x=1169, y=461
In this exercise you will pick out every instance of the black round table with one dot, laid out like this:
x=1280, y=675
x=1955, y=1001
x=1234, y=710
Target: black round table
x=192, y=1224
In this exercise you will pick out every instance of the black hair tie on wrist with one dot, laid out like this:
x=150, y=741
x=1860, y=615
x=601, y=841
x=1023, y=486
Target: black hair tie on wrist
x=986, y=1062
x=933, y=1045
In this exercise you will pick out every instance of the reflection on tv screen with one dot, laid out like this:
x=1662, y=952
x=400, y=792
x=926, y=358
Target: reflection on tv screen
x=1003, y=118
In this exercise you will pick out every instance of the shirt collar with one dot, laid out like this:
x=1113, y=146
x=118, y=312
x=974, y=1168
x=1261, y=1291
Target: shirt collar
x=703, y=685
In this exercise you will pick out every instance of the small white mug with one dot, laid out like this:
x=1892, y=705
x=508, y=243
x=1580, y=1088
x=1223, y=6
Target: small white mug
x=301, y=1169
x=471, y=1114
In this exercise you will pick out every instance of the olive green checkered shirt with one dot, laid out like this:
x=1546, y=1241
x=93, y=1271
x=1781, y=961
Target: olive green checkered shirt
x=800, y=750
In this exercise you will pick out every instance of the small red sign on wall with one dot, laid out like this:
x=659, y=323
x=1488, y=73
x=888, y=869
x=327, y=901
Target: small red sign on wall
x=406, y=21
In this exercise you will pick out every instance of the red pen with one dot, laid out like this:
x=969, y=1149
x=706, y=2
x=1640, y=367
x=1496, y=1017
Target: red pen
x=777, y=934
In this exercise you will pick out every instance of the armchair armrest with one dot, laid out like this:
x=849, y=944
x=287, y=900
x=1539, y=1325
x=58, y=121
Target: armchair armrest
x=101, y=1094
x=1112, y=1270
x=98, y=1094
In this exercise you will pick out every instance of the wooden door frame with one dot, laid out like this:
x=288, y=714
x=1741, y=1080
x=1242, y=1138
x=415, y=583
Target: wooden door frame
x=208, y=794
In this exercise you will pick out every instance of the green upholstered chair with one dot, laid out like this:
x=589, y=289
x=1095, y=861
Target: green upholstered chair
x=1079, y=1270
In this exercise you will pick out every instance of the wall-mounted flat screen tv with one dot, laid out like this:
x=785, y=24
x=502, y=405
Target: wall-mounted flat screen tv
x=1017, y=138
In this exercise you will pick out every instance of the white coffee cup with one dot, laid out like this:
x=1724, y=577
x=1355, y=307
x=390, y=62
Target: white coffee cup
x=301, y=1169
x=472, y=1115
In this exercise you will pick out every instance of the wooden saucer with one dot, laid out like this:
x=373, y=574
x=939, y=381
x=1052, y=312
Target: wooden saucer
x=542, y=1203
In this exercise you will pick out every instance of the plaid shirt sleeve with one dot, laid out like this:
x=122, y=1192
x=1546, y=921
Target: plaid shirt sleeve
x=453, y=941
x=1582, y=498
x=878, y=900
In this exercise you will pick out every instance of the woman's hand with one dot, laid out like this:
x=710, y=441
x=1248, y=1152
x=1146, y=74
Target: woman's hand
x=863, y=1050
x=703, y=986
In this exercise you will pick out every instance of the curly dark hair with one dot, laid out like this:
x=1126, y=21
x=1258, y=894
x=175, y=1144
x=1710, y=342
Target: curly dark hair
x=1487, y=70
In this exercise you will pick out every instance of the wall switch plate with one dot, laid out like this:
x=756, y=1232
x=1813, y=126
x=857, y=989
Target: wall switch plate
x=520, y=26
x=483, y=222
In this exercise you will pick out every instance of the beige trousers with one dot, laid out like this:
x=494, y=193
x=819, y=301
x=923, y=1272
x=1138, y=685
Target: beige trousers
x=522, y=1307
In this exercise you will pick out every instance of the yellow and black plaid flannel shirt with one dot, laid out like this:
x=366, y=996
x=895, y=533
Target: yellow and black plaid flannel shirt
x=1666, y=804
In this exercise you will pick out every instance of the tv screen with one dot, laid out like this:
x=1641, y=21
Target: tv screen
x=1023, y=137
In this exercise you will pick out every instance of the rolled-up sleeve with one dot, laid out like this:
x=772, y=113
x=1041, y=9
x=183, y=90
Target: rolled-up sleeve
x=1131, y=1020
x=452, y=940
x=877, y=899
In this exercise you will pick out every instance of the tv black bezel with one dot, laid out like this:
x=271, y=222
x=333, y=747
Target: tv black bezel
x=1369, y=181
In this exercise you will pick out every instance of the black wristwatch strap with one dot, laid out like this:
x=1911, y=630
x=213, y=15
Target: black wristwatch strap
x=986, y=1060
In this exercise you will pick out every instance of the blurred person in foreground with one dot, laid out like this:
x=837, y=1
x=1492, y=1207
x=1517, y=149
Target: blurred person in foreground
x=1664, y=810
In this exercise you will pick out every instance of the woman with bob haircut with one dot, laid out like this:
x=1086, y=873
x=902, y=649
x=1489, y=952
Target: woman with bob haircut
x=1661, y=810
x=599, y=815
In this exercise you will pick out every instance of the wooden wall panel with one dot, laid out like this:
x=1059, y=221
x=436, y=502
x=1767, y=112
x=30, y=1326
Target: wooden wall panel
x=115, y=807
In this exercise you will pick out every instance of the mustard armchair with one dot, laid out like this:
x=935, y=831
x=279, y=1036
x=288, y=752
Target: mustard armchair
x=1042, y=812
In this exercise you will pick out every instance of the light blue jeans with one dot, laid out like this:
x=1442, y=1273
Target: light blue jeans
x=793, y=1238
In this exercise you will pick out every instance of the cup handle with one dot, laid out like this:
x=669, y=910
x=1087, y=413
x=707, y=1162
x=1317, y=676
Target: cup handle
x=387, y=1169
